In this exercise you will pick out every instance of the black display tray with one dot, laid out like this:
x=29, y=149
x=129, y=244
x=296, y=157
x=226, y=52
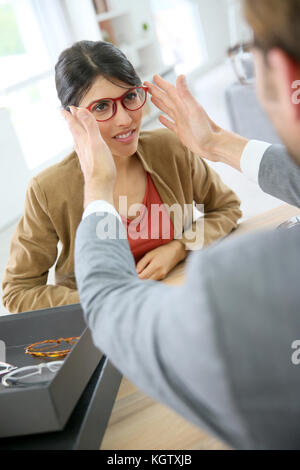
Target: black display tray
x=86, y=426
x=45, y=407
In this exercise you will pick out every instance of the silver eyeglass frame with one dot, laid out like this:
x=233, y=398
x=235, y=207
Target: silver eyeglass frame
x=233, y=54
x=36, y=370
x=5, y=368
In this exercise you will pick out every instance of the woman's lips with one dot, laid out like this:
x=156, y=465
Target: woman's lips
x=126, y=137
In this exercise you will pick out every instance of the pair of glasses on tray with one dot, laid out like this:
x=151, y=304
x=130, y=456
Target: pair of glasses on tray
x=40, y=373
x=52, y=347
x=29, y=375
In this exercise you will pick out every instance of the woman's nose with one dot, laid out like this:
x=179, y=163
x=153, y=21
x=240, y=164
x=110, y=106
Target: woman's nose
x=122, y=116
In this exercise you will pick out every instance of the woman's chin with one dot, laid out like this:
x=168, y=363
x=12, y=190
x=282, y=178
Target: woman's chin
x=125, y=150
x=125, y=154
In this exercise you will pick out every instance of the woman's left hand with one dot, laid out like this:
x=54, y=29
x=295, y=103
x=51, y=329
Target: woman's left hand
x=157, y=263
x=96, y=161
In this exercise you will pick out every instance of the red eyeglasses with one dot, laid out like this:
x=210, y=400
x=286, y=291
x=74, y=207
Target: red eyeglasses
x=106, y=108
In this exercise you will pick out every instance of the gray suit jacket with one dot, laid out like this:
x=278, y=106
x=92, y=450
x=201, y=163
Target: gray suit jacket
x=217, y=349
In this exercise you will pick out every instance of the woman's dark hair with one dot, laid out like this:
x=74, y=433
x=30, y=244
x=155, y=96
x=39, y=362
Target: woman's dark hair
x=79, y=66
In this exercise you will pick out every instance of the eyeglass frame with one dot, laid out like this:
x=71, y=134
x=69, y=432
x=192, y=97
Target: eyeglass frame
x=55, y=342
x=145, y=88
x=6, y=368
x=232, y=52
x=38, y=368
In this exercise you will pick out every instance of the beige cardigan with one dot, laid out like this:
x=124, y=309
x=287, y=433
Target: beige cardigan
x=54, y=207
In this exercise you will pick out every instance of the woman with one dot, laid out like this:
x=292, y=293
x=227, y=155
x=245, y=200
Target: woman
x=153, y=168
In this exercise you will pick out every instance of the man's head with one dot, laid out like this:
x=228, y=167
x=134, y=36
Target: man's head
x=276, y=27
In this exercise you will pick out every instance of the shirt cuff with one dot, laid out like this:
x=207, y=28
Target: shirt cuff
x=100, y=206
x=252, y=157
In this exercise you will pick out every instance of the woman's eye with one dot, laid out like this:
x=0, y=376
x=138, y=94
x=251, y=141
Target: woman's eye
x=101, y=107
x=131, y=96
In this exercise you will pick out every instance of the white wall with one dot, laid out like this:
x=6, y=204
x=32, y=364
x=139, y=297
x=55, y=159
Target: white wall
x=81, y=20
x=240, y=31
x=214, y=18
x=14, y=173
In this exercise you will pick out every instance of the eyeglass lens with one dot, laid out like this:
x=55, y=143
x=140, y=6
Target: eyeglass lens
x=133, y=100
x=33, y=374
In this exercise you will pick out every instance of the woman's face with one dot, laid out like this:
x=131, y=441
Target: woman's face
x=122, y=123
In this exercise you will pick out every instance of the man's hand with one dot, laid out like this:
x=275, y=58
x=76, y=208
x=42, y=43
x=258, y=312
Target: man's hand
x=192, y=124
x=189, y=120
x=157, y=263
x=96, y=161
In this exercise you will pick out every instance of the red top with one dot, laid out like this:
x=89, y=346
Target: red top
x=152, y=227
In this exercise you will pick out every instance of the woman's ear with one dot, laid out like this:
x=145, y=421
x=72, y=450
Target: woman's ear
x=286, y=73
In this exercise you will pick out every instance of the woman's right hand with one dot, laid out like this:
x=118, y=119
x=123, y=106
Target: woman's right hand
x=190, y=121
x=95, y=158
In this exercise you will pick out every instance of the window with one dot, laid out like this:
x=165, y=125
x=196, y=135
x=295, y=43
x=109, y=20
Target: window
x=27, y=87
x=22, y=50
x=35, y=114
x=180, y=35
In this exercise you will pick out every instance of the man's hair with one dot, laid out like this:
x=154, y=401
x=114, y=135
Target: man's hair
x=276, y=23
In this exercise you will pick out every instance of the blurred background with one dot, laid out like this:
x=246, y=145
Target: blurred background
x=168, y=37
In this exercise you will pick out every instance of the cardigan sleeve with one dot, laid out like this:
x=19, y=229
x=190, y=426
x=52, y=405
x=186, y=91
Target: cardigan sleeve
x=221, y=206
x=33, y=251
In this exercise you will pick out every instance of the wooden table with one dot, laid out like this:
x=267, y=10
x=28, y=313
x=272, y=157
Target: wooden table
x=137, y=422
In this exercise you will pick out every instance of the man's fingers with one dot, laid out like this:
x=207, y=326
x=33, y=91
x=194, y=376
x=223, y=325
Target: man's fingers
x=160, y=95
x=184, y=92
x=170, y=97
x=186, y=95
x=153, y=89
x=164, y=108
x=167, y=123
x=182, y=86
x=165, y=85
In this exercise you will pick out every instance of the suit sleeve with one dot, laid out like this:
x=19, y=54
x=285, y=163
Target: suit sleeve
x=33, y=251
x=144, y=327
x=279, y=175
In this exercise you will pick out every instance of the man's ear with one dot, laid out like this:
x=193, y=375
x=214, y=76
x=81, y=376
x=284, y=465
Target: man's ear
x=287, y=75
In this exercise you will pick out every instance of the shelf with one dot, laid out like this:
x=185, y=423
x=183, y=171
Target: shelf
x=122, y=25
x=110, y=15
